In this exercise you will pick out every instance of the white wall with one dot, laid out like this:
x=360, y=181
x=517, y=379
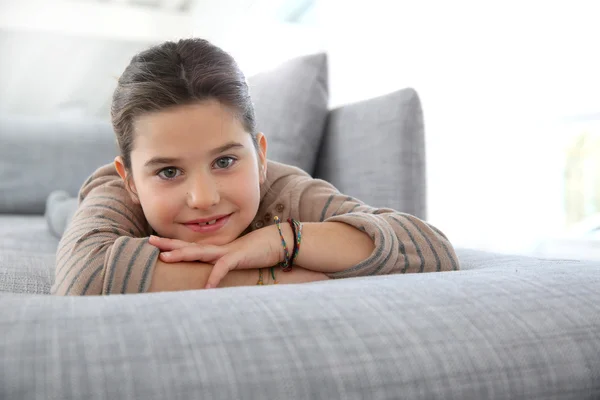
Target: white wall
x=252, y=32
x=63, y=57
x=106, y=20
x=495, y=79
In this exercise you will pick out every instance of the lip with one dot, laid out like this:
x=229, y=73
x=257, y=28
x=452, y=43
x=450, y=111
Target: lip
x=204, y=220
x=196, y=227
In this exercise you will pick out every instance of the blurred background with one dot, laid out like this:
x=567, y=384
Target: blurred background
x=510, y=89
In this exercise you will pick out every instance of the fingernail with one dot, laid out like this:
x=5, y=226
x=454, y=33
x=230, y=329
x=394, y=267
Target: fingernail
x=208, y=286
x=166, y=254
x=152, y=237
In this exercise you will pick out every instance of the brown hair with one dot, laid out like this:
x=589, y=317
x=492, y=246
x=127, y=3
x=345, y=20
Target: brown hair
x=173, y=74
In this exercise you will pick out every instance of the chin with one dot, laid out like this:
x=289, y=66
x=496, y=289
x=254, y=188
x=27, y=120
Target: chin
x=216, y=240
x=180, y=232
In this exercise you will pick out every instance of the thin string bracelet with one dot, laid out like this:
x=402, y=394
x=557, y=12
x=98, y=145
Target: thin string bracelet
x=285, y=264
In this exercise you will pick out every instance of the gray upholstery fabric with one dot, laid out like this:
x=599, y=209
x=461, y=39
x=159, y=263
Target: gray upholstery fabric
x=26, y=272
x=40, y=155
x=517, y=329
x=291, y=105
x=60, y=208
x=374, y=150
x=26, y=233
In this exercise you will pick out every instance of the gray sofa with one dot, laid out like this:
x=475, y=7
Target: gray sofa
x=503, y=327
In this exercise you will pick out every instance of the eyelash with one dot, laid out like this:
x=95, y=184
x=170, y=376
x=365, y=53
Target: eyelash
x=158, y=173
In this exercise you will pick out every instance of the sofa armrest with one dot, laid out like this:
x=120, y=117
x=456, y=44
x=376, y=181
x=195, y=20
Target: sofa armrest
x=374, y=150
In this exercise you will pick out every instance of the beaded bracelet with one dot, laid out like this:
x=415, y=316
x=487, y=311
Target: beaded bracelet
x=297, y=229
x=285, y=264
x=295, y=249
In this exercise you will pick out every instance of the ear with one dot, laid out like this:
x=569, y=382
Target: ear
x=127, y=179
x=262, y=156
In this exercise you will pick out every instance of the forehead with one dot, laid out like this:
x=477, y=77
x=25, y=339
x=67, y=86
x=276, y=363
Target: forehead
x=200, y=125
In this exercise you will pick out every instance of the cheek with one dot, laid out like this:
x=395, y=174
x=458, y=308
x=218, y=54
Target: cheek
x=157, y=203
x=248, y=191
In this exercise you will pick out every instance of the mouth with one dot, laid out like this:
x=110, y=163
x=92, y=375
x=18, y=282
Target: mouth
x=207, y=225
x=207, y=221
x=212, y=222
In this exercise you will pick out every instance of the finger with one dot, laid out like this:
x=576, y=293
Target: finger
x=220, y=269
x=166, y=244
x=193, y=253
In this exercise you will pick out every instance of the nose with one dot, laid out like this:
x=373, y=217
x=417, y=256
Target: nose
x=203, y=193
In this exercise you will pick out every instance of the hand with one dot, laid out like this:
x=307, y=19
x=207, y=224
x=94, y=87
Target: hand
x=258, y=249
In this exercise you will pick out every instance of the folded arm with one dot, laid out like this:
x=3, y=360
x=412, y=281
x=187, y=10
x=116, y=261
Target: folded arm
x=105, y=249
x=193, y=275
x=345, y=237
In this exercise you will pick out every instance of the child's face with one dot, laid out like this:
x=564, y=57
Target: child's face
x=192, y=163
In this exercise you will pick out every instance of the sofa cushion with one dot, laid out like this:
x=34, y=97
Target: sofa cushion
x=27, y=234
x=291, y=104
x=60, y=208
x=27, y=257
x=23, y=271
x=374, y=142
x=526, y=333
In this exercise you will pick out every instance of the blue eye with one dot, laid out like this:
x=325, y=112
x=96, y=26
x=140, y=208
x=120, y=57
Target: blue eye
x=169, y=173
x=224, y=162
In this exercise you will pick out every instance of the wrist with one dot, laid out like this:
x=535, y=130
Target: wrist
x=288, y=236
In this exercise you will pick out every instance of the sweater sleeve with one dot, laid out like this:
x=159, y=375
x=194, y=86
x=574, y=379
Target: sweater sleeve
x=105, y=248
x=403, y=242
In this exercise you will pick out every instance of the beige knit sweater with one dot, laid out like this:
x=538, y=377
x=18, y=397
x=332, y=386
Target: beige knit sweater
x=105, y=248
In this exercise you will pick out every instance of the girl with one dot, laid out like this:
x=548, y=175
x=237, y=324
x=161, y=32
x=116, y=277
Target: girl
x=192, y=201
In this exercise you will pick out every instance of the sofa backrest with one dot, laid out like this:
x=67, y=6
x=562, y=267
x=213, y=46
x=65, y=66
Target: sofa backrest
x=372, y=150
x=39, y=155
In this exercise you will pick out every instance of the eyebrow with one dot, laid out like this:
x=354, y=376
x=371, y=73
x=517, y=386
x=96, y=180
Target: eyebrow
x=155, y=161
x=225, y=147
